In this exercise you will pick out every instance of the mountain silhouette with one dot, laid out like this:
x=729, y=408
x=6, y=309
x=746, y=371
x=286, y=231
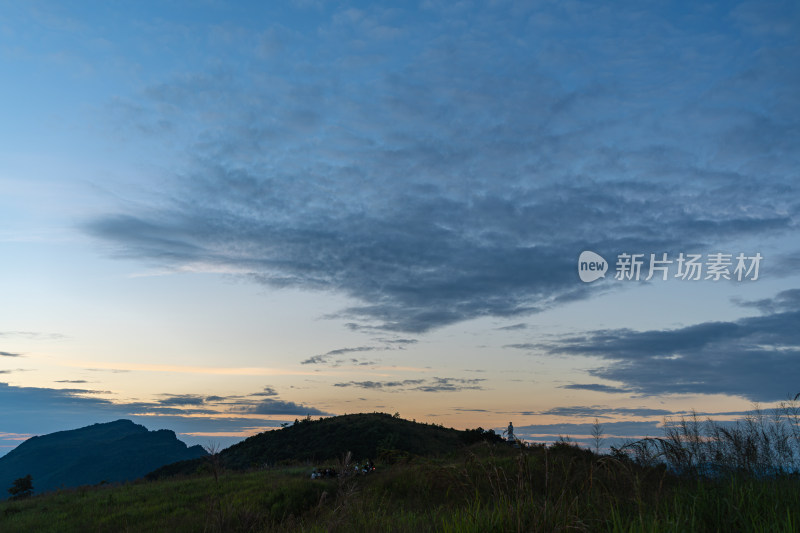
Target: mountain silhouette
x=111, y=452
x=366, y=435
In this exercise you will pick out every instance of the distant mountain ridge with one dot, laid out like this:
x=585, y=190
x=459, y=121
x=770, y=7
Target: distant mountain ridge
x=366, y=435
x=113, y=451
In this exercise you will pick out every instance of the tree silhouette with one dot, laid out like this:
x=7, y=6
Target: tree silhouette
x=22, y=488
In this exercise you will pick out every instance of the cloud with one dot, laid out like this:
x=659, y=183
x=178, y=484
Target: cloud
x=24, y=404
x=400, y=342
x=72, y=381
x=605, y=412
x=625, y=430
x=598, y=387
x=34, y=335
x=182, y=399
x=331, y=358
x=451, y=385
x=83, y=391
x=435, y=384
x=523, y=346
x=460, y=176
x=380, y=384
x=326, y=357
x=265, y=402
x=39, y=410
x=155, y=409
x=784, y=301
x=10, y=354
x=268, y=391
x=514, y=327
x=757, y=357
x=785, y=264
x=615, y=433
x=212, y=399
x=279, y=407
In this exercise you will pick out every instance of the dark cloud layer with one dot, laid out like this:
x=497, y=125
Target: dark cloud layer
x=271, y=406
x=460, y=175
x=182, y=400
x=757, y=357
x=597, y=387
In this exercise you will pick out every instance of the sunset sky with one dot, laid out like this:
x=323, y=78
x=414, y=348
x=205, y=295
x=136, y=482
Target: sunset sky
x=217, y=217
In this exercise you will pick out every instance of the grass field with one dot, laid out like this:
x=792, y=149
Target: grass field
x=482, y=488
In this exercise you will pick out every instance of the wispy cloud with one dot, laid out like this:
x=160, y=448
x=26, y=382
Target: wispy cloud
x=188, y=369
x=33, y=335
x=327, y=356
x=10, y=354
x=514, y=327
x=605, y=412
x=523, y=346
x=15, y=436
x=399, y=342
x=434, y=384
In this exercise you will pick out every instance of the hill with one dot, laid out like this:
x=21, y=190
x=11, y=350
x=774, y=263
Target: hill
x=366, y=435
x=478, y=488
x=114, y=451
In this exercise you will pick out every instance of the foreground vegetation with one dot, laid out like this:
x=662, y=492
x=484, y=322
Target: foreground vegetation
x=485, y=488
x=701, y=476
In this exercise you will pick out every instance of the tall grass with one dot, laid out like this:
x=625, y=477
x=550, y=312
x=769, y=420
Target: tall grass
x=762, y=444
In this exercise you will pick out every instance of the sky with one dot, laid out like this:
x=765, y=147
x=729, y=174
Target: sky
x=219, y=217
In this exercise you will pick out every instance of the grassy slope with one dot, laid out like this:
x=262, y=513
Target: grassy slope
x=484, y=488
x=367, y=436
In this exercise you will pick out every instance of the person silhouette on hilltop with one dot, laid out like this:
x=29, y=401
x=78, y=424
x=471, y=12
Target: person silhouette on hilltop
x=510, y=432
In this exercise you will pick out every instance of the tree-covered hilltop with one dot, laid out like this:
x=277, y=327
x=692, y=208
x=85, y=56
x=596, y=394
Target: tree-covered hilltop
x=366, y=435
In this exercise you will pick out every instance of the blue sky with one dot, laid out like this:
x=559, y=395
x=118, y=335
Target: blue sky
x=218, y=217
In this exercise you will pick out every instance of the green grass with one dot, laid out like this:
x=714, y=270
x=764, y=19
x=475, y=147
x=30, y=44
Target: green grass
x=484, y=488
x=237, y=502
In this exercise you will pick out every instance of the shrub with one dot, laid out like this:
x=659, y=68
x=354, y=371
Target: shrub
x=22, y=488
